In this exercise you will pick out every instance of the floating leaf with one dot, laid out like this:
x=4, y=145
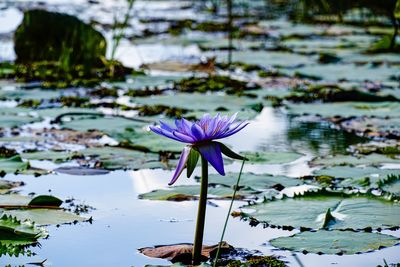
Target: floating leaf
x=15, y=235
x=191, y=192
x=113, y=158
x=200, y=102
x=13, y=164
x=335, y=242
x=81, y=171
x=45, y=216
x=269, y=157
x=347, y=109
x=181, y=252
x=255, y=181
x=6, y=185
x=371, y=159
x=43, y=200
x=391, y=185
x=367, y=177
x=309, y=211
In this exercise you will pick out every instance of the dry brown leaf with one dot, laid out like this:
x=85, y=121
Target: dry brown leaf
x=180, y=252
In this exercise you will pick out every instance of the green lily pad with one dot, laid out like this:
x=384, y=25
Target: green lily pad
x=368, y=177
x=191, y=192
x=255, y=181
x=335, y=242
x=106, y=124
x=45, y=216
x=37, y=94
x=143, y=81
x=15, y=235
x=8, y=120
x=149, y=140
x=391, y=185
x=323, y=209
x=269, y=157
x=113, y=158
x=56, y=156
x=13, y=164
x=265, y=58
x=352, y=72
x=24, y=208
x=6, y=185
x=346, y=109
x=342, y=160
x=199, y=102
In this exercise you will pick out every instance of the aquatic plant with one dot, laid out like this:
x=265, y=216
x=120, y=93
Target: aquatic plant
x=200, y=137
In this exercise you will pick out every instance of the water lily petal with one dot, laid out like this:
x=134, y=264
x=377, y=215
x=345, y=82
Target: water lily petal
x=212, y=153
x=185, y=138
x=181, y=164
x=197, y=132
x=162, y=132
x=166, y=127
x=232, y=131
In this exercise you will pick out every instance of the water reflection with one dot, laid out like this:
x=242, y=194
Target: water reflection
x=319, y=138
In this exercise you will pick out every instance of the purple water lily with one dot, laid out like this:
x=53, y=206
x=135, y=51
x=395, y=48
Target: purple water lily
x=201, y=135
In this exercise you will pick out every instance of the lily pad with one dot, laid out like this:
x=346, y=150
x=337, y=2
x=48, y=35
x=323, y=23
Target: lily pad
x=391, y=185
x=265, y=58
x=6, y=185
x=200, y=102
x=15, y=235
x=56, y=156
x=143, y=81
x=81, y=171
x=341, y=160
x=45, y=216
x=368, y=177
x=13, y=164
x=255, y=181
x=351, y=72
x=335, y=242
x=269, y=157
x=42, y=210
x=113, y=158
x=323, y=209
x=347, y=109
x=191, y=192
x=180, y=252
x=15, y=120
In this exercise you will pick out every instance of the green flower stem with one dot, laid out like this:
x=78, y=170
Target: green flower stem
x=228, y=215
x=201, y=213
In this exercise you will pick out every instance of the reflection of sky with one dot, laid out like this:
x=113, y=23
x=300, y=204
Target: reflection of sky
x=122, y=223
x=264, y=129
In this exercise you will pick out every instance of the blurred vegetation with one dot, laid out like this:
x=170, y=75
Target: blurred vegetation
x=66, y=40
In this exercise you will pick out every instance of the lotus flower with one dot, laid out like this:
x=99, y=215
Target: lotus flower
x=200, y=136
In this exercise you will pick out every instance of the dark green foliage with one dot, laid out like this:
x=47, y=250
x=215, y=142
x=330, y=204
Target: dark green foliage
x=49, y=36
x=161, y=109
x=213, y=84
x=334, y=93
x=105, y=92
x=143, y=93
x=384, y=45
x=254, y=261
x=326, y=58
x=54, y=75
x=7, y=153
x=312, y=8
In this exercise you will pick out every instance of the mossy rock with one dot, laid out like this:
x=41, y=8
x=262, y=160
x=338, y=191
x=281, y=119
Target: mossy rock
x=50, y=36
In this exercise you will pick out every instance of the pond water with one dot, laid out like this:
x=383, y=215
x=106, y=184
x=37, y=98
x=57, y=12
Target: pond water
x=123, y=223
